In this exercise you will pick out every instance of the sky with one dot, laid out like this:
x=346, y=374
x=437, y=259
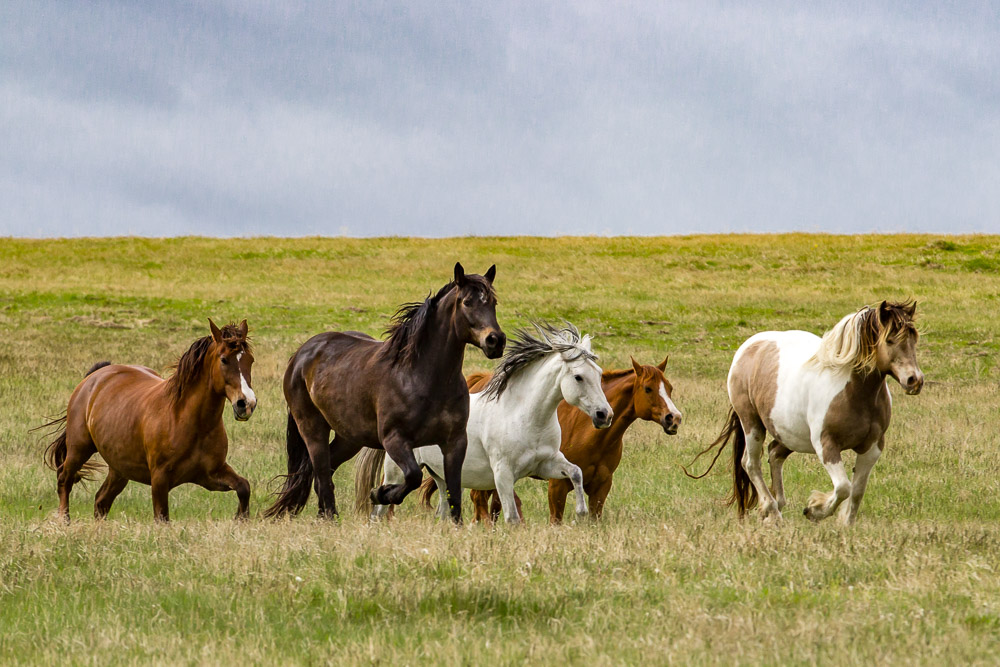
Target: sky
x=496, y=118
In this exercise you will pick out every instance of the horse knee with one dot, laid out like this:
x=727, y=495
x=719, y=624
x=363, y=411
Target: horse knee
x=842, y=491
x=413, y=478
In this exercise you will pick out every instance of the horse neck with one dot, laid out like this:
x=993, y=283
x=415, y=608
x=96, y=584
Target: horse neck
x=201, y=401
x=535, y=389
x=621, y=397
x=869, y=384
x=445, y=351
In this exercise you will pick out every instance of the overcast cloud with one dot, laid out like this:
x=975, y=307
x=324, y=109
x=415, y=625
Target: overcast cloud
x=440, y=119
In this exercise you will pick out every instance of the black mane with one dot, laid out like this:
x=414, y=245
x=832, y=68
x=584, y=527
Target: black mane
x=406, y=331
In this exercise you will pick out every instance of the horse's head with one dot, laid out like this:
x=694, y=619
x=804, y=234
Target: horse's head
x=896, y=345
x=231, y=361
x=580, y=380
x=476, y=311
x=651, y=397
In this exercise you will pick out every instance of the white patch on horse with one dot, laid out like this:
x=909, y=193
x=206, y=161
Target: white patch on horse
x=666, y=399
x=248, y=394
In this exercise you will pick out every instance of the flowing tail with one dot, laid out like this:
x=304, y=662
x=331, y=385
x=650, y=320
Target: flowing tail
x=367, y=475
x=743, y=494
x=294, y=493
x=55, y=453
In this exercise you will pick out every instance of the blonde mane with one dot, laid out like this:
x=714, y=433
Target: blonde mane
x=854, y=341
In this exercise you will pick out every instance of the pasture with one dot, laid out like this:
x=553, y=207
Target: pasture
x=669, y=575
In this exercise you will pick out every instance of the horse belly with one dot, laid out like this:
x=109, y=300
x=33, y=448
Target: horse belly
x=114, y=423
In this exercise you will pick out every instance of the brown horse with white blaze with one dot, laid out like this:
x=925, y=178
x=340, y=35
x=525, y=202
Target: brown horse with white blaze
x=161, y=432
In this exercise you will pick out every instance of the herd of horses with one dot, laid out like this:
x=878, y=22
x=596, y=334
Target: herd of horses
x=548, y=411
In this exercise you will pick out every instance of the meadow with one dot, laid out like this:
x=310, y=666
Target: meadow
x=668, y=575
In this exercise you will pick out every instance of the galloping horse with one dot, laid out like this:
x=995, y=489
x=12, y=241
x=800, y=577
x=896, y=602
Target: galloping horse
x=398, y=395
x=158, y=432
x=816, y=395
x=513, y=431
x=640, y=392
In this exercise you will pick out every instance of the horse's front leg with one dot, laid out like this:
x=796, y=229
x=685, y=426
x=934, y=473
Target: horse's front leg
x=504, y=480
x=862, y=468
x=226, y=479
x=454, y=459
x=559, y=467
x=822, y=505
x=400, y=450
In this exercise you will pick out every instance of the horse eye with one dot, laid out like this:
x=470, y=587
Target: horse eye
x=225, y=361
x=578, y=378
x=648, y=390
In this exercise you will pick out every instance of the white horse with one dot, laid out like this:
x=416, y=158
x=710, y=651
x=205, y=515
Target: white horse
x=823, y=396
x=513, y=429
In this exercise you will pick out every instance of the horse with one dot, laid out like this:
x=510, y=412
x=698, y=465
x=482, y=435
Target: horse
x=155, y=431
x=822, y=395
x=639, y=392
x=513, y=431
x=401, y=394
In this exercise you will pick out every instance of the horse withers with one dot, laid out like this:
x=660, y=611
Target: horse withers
x=161, y=432
x=397, y=395
x=824, y=396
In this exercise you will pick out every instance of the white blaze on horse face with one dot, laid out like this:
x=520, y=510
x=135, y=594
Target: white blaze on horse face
x=586, y=394
x=248, y=394
x=666, y=399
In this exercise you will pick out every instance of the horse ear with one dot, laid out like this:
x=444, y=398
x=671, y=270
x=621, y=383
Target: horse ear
x=635, y=366
x=216, y=334
x=663, y=364
x=244, y=328
x=883, y=311
x=490, y=274
x=459, y=274
x=911, y=309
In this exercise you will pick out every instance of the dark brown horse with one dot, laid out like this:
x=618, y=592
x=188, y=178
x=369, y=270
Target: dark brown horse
x=400, y=394
x=640, y=392
x=158, y=432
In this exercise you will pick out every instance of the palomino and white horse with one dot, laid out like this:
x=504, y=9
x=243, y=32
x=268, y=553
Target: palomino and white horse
x=513, y=431
x=824, y=396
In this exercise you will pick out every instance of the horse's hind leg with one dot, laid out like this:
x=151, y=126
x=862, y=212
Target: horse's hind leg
x=751, y=463
x=111, y=489
x=79, y=449
x=776, y=455
x=862, y=468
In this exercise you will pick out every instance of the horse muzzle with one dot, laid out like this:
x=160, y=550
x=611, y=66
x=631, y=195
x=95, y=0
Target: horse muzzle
x=493, y=344
x=913, y=384
x=242, y=410
x=602, y=418
x=670, y=423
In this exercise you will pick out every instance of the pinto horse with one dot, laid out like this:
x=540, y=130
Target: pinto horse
x=397, y=395
x=154, y=431
x=513, y=431
x=824, y=396
x=640, y=392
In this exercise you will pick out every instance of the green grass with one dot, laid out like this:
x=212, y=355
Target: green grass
x=669, y=575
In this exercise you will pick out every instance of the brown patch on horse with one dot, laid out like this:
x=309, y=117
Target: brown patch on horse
x=187, y=370
x=478, y=380
x=754, y=384
x=857, y=416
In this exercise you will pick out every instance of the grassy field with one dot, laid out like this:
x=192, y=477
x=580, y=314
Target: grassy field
x=669, y=575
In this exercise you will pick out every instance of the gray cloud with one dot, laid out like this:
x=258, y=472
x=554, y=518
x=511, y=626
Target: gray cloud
x=442, y=119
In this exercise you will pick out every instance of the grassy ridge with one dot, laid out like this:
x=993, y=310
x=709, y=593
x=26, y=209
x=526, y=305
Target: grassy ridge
x=669, y=574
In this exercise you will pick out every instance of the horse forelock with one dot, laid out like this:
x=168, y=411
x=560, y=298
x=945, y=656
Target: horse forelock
x=854, y=341
x=525, y=349
x=187, y=370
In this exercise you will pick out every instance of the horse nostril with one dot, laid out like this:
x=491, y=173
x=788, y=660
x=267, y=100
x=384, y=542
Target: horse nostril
x=491, y=339
x=669, y=419
x=241, y=404
x=602, y=415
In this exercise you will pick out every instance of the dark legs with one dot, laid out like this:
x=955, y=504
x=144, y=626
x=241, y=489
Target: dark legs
x=112, y=487
x=401, y=453
x=454, y=458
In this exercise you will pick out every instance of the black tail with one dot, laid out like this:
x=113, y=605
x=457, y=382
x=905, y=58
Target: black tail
x=295, y=492
x=55, y=453
x=743, y=494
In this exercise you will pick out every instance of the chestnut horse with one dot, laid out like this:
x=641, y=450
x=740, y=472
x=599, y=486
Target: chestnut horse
x=158, y=432
x=823, y=396
x=397, y=395
x=640, y=392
